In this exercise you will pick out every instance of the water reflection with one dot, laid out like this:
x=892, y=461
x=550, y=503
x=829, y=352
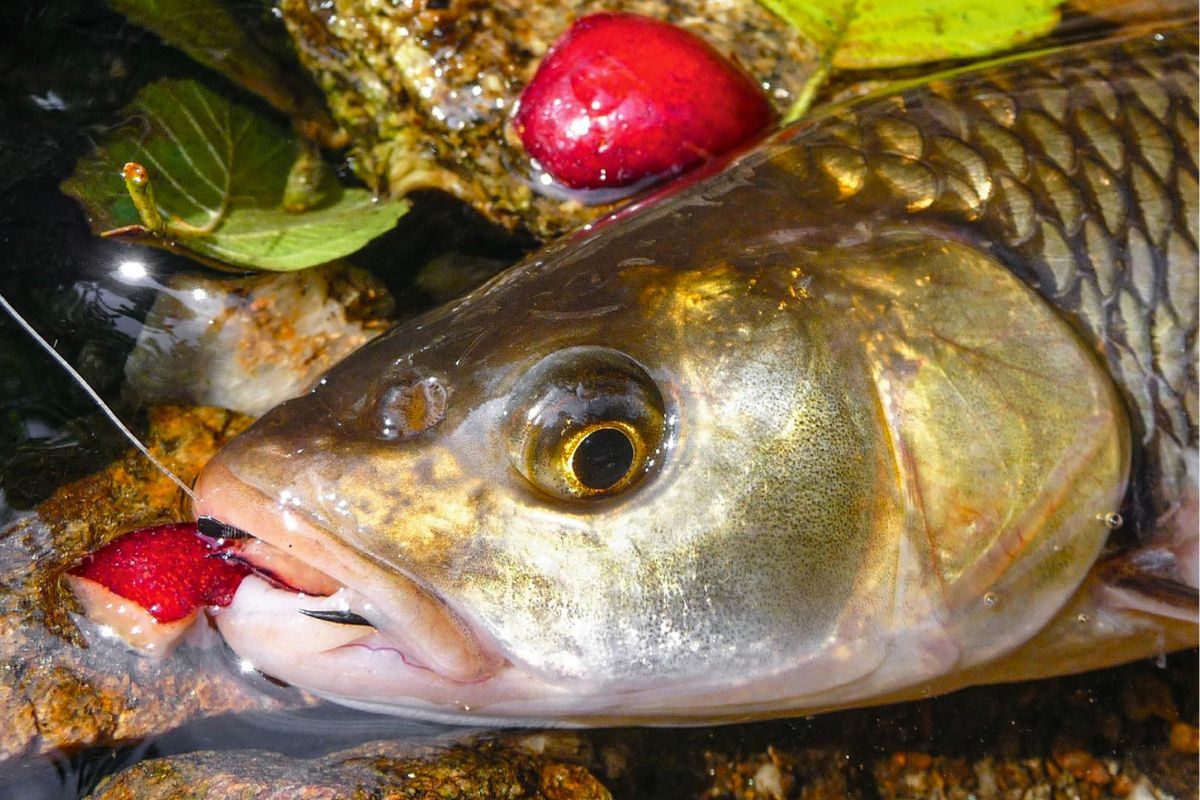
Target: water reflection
x=305, y=733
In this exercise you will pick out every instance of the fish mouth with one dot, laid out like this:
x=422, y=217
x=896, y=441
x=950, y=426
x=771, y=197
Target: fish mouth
x=327, y=618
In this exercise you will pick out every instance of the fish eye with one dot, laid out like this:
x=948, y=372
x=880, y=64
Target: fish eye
x=585, y=422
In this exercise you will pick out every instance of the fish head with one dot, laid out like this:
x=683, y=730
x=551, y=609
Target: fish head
x=624, y=483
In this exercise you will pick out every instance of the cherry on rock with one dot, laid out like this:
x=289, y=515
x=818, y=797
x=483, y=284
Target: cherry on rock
x=621, y=98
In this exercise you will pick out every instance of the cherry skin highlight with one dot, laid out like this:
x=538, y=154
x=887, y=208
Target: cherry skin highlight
x=167, y=569
x=621, y=98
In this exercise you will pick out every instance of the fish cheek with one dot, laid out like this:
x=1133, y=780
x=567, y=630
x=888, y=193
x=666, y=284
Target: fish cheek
x=811, y=547
x=761, y=539
x=420, y=501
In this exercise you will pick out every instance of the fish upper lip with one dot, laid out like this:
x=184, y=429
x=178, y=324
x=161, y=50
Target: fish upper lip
x=440, y=639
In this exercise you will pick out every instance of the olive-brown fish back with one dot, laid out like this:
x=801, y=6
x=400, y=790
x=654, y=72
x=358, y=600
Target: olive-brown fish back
x=1077, y=168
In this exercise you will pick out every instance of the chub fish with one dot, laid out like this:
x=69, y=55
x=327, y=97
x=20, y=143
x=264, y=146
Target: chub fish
x=902, y=400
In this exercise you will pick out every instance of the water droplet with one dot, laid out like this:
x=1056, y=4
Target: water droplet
x=1112, y=520
x=991, y=599
x=1083, y=619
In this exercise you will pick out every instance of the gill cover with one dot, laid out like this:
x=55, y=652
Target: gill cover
x=1009, y=440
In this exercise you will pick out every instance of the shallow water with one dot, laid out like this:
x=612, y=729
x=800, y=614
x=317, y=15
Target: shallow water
x=299, y=734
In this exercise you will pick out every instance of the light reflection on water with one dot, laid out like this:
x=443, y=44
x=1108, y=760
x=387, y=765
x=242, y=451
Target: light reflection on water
x=305, y=733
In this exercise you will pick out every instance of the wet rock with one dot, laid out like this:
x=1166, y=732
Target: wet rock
x=426, y=88
x=248, y=344
x=63, y=684
x=775, y=775
x=384, y=770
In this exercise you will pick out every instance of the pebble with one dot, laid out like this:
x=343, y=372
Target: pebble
x=1185, y=738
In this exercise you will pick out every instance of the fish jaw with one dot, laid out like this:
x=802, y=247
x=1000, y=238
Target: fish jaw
x=423, y=631
x=353, y=665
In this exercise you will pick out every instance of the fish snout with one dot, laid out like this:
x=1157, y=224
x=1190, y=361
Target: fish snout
x=399, y=614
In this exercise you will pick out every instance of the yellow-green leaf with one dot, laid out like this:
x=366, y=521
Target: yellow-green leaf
x=219, y=172
x=866, y=34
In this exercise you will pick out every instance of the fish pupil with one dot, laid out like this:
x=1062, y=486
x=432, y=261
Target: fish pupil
x=602, y=458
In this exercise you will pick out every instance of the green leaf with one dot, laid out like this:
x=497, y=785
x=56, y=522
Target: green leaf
x=868, y=34
x=207, y=32
x=219, y=172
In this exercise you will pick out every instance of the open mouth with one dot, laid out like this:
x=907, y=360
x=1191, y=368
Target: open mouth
x=278, y=569
x=427, y=636
x=282, y=571
x=320, y=615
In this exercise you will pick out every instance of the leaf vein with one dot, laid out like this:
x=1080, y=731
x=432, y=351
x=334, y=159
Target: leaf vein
x=182, y=150
x=162, y=171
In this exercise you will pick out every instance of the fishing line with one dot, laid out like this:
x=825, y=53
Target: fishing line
x=92, y=393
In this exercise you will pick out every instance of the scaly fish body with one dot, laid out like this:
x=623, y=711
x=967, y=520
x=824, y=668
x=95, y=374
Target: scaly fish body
x=846, y=422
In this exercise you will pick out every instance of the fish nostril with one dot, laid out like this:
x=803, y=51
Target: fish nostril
x=406, y=408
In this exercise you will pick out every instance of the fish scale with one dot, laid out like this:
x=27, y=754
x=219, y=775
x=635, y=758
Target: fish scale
x=1089, y=195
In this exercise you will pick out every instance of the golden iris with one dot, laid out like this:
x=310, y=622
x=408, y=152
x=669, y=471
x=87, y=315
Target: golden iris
x=585, y=422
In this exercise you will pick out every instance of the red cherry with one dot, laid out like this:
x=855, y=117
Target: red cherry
x=167, y=570
x=621, y=97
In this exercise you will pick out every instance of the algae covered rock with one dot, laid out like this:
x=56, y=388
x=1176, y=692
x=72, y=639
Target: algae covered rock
x=426, y=89
x=392, y=770
x=65, y=684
